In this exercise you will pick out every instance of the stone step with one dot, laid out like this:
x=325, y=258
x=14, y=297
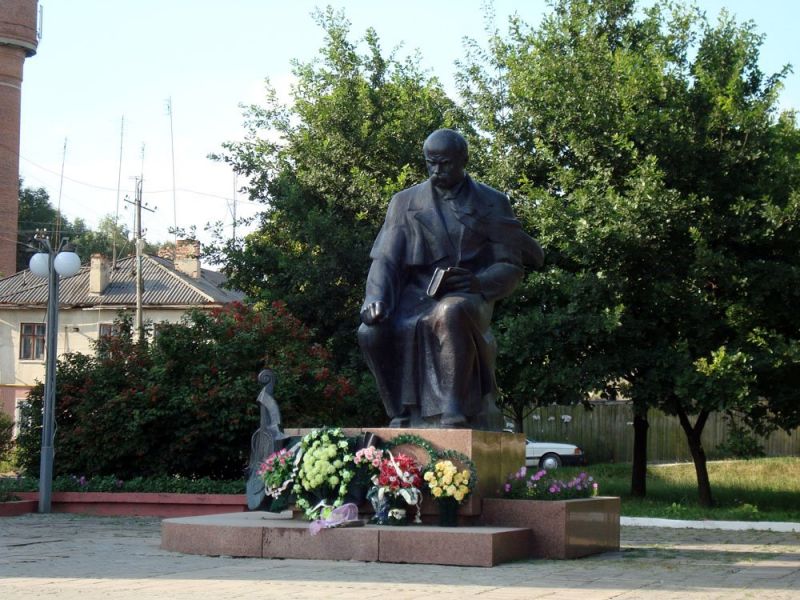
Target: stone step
x=256, y=535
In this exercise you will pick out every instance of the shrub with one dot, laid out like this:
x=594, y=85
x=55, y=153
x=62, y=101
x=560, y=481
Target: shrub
x=184, y=404
x=111, y=483
x=6, y=437
x=741, y=442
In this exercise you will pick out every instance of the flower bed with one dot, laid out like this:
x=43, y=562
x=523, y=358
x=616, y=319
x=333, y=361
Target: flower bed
x=544, y=485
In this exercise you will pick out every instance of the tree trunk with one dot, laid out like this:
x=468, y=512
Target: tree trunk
x=519, y=422
x=639, y=470
x=693, y=434
x=513, y=420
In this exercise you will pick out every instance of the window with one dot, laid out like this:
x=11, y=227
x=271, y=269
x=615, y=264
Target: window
x=109, y=330
x=31, y=341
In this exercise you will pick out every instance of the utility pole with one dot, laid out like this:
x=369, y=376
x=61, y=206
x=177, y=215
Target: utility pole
x=137, y=202
x=57, y=239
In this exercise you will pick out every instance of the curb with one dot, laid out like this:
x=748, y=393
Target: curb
x=776, y=526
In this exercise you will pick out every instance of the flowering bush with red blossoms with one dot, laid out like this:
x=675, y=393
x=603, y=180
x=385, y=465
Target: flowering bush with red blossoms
x=184, y=403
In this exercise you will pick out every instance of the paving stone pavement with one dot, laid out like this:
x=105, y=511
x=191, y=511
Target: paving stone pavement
x=69, y=556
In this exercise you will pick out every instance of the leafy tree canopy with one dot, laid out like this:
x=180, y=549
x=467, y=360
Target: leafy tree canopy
x=645, y=149
x=325, y=166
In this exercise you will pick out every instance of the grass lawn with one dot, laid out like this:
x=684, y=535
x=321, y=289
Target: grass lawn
x=763, y=489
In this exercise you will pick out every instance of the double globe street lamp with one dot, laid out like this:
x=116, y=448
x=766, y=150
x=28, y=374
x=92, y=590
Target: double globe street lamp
x=51, y=263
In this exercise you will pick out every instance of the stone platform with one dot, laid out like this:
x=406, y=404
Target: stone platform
x=491, y=531
x=560, y=528
x=258, y=536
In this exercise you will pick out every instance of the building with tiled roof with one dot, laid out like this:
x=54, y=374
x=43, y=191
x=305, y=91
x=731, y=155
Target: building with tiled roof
x=89, y=302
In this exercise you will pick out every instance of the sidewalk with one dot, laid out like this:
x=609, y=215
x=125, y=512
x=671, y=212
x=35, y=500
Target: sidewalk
x=68, y=557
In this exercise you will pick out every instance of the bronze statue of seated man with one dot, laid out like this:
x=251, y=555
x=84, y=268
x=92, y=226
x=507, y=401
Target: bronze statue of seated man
x=449, y=248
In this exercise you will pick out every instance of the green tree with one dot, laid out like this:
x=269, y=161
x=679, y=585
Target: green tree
x=647, y=153
x=37, y=213
x=550, y=349
x=102, y=239
x=325, y=166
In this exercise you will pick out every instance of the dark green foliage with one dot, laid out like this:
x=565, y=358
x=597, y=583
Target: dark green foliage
x=185, y=403
x=740, y=442
x=35, y=213
x=646, y=152
x=111, y=483
x=550, y=351
x=6, y=436
x=325, y=166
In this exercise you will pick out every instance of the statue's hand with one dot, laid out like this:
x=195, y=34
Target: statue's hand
x=373, y=313
x=462, y=282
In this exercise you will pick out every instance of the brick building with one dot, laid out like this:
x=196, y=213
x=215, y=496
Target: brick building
x=18, y=40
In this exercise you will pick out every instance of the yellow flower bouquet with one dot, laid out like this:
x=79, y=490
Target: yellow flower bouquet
x=449, y=487
x=446, y=481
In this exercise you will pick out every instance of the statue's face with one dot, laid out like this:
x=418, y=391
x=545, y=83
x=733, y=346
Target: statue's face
x=445, y=164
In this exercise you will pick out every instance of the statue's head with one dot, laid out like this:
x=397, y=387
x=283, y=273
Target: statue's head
x=446, y=158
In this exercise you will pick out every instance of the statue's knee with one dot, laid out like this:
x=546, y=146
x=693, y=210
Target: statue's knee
x=451, y=310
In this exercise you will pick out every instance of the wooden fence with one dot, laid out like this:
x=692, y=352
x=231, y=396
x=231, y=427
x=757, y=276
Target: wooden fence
x=606, y=433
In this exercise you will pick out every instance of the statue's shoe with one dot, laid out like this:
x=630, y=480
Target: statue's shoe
x=453, y=420
x=400, y=422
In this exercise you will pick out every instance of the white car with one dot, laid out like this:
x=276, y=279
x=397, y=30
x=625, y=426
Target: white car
x=551, y=455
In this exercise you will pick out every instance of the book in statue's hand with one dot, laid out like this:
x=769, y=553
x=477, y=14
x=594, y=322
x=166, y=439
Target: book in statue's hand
x=436, y=285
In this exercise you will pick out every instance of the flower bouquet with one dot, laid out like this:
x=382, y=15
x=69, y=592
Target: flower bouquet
x=449, y=487
x=396, y=486
x=276, y=471
x=367, y=466
x=323, y=471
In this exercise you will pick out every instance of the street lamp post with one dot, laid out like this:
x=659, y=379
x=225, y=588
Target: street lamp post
x=51, y=263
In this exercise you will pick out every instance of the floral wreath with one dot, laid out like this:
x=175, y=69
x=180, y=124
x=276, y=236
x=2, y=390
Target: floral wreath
x=323, y=469
x=435, y=455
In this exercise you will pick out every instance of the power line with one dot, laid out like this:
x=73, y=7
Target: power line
x=127, y=191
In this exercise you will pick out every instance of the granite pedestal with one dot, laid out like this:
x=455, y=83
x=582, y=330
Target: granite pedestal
x=560, y=528
x=492, y=530
x=258, y=536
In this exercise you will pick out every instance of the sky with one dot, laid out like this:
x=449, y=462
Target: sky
x=95, y=96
